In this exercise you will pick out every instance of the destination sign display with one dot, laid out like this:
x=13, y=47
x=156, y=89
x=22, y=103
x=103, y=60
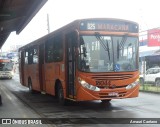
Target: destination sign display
x=108, y=25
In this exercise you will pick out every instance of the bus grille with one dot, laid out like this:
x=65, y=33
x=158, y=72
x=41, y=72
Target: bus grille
x=104, y=87
x=111, y=77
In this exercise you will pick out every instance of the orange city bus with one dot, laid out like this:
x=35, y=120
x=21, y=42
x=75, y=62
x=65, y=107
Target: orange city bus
x=88, y=59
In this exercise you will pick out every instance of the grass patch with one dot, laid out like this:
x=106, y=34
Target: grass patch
x=150, y=87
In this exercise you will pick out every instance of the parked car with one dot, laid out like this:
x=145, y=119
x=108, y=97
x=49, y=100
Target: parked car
x=152, y=75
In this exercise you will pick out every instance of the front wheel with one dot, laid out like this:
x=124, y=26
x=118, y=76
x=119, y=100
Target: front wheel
x=106, y=101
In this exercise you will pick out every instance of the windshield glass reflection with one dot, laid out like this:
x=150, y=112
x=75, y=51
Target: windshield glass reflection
x=108, y=53
x=6, y=66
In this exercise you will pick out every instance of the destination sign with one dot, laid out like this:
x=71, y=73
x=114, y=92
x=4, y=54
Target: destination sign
x=108, y=25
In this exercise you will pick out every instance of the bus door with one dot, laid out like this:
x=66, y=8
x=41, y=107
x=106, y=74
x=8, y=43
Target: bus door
x=41, y=68
x=70, y=69
x=21, y=66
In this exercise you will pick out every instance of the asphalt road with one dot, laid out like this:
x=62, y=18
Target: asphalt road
x=37, y=105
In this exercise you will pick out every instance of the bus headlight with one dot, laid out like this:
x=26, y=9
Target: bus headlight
x=12, y=73
x=88, y=86
x=132, y=85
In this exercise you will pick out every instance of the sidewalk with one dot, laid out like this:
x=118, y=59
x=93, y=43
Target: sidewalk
x=12, y=107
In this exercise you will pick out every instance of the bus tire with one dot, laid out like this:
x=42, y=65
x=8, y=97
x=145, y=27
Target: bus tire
x=30, y=85
x=60, y=96
x=106, y=101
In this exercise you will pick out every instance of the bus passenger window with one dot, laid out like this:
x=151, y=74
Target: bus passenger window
x=54, y=50
x=26, y=57
x=57, y=49
x=49, y=51
x=35, y=56
x=30, y=56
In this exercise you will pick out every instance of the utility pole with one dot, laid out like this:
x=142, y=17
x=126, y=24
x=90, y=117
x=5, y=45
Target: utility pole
x=48, y=26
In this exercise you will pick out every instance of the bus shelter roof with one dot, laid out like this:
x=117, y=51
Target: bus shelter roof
x=15, y=15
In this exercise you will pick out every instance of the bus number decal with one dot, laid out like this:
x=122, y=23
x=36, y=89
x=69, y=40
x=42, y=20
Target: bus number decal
x=102, y=83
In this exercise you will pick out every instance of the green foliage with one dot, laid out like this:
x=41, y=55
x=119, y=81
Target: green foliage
x=150, y=88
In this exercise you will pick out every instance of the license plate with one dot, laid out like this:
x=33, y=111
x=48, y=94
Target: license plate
x=113, y=94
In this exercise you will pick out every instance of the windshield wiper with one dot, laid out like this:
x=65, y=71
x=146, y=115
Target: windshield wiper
x=124, y=38
x=121, y=45
x=102, y=42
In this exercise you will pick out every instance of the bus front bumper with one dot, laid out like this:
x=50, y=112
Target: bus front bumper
x=106, y=94
x=6, y=75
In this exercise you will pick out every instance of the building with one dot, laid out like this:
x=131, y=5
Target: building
x=149, y=49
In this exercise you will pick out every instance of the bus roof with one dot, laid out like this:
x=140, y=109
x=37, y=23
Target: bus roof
x=78, y=21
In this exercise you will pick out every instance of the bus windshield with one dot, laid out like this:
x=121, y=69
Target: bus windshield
x=108, y=53
x=6, y=66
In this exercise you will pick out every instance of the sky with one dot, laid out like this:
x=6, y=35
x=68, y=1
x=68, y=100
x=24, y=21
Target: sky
x=62, y=12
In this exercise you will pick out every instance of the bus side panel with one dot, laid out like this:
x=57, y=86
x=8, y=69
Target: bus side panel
x=53, y=72
x=41, y=67
x=21, y=67
x=43, y=78
x=49, y=78
x=21, y=74
x=25, y=75
x=50, y=87
x=34, y=74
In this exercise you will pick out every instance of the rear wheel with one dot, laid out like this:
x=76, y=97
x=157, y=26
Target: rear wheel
x=30, y=86
x=61, y=98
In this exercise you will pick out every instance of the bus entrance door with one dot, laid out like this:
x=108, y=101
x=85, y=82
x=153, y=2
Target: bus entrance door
x=21, y=66
x=41, y=68
x=70, y=66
